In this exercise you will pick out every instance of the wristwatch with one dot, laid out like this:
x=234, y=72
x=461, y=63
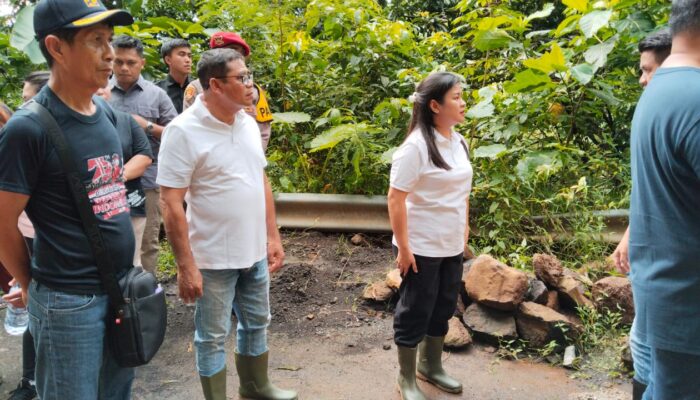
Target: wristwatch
x=149, y=127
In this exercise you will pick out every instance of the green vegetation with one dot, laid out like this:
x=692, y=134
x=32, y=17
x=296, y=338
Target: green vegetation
x=551, y=88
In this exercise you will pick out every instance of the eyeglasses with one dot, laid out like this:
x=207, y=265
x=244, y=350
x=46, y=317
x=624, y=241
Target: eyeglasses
x=244, y=78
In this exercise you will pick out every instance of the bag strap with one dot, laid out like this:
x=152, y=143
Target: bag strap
x=82, y=202
x=464, y=146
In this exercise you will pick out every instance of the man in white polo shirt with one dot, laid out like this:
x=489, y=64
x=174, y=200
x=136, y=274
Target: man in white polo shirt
x=211, y=156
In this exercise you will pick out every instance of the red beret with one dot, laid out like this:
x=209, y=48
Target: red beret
x=223, y=39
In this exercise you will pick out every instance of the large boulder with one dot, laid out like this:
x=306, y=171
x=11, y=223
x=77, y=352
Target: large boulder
x=457, y=335
x=572, y=293
x=585, y=280
x=490, y=325
x=553, y=300
x=462, y=289
x=615, y=294
x=540, y=324
x=378, y=291
x=393, y=279
x=537, y=292
x=495, y=284
x=548, y=269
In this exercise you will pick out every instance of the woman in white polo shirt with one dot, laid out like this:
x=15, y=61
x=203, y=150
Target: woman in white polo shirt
x=429, y=210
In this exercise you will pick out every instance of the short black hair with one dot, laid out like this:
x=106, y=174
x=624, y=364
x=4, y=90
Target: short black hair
x=171, y=45
x=214, y=63
x=659, y=43
x=128, y=42
x=685, y=16
x=65, y=34
x=38, y=79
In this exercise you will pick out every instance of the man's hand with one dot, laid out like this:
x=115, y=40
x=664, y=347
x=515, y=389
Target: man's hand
x=621, y=257
x=621, y=254
x=17, y=299
x=189, y=282
x=405, y=261
x=275, y=255
x=143, y=122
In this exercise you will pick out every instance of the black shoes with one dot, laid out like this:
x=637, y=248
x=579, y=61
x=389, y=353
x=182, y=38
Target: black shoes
x=25, y=391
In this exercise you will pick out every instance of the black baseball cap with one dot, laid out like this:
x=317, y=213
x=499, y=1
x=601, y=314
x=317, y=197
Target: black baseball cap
x=52, y=15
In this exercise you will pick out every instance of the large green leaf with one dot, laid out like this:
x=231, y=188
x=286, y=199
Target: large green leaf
x=544, y=13
x=491, y=151
x=598, y=55
x=528, y=81
x=330, y=138
x=635, y=23
x=387, y=156
x=578, y=5
x=291, y=117
x=548, y=62
x=605, y=95
x=23, y=35
x=591, y=23
x=583, y=73
x=491, y=39
x=538, y=162
x=482, y=109
x=567, y=25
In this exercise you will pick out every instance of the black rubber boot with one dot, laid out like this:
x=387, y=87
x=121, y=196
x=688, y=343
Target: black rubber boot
x=408, y=387
x=638, y=389
x=430, y=365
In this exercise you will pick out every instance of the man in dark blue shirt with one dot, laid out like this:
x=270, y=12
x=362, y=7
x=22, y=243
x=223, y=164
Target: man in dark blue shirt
x=664, y=232
x=66, y=302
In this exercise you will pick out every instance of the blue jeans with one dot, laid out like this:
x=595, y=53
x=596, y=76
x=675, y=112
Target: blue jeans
x=72, y=359
x=674, y=376
x=246, y=292
x=641, y=356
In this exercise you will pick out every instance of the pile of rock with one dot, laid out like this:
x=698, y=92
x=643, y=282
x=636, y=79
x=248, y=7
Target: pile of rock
x=503, y=303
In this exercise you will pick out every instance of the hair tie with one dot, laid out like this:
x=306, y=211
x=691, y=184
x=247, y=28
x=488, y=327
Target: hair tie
x=413, y=97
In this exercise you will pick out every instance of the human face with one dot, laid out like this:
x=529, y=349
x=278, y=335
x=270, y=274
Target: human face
x=451, y=111
x=648, y=66
x=235, y=87
x=87, y=61
x=127, y=67
x=180, y=60
x=28, y=91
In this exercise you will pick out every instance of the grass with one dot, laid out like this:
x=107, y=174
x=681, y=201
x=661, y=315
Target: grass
x=167, y=269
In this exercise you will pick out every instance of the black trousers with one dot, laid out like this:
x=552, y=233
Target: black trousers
x=427, y=299
x=28, y=353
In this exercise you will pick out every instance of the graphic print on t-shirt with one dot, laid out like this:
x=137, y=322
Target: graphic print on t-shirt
x=106, y=190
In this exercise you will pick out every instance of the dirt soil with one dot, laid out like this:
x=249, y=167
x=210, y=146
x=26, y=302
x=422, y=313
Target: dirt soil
x=330, y=345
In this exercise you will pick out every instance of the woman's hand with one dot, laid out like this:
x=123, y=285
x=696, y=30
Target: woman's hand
x=405, y=260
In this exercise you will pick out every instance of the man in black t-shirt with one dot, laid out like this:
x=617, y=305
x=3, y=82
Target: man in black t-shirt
x=66, y=301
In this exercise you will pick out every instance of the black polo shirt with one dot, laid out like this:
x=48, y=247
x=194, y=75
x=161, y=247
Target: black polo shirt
x=174, y=90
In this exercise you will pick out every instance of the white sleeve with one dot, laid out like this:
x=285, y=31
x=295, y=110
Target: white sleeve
x=176, y=159
x=405, y=167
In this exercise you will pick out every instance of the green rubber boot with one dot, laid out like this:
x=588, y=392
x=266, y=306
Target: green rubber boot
x=407, y=374
x=252, y=373
x=214, y=387
x=430, y=365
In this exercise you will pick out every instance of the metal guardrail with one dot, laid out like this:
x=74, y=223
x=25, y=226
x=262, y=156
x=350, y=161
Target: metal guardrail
x=357, y=213
x=332, y=212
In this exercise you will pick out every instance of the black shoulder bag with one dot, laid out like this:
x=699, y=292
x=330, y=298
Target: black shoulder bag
x=138, y=318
